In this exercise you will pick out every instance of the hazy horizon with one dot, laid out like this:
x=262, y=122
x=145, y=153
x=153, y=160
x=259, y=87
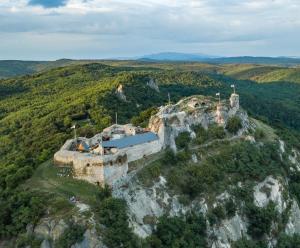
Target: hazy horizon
x=99, y=29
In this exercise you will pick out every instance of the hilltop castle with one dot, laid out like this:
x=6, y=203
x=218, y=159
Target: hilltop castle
x=105, y=158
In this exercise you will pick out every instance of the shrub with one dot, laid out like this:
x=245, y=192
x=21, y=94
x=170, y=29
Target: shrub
x=73, y=234
x=169, y=157
x=213, y=132
x=17, y=211
x=230, y=208
x=259, y=134
x=216, y=132
x=184, y=231
x=245, y=243
x=143, y=118
x=13, y=180
x=260, y=219
x=104, y=192
x=182, y=140
x=234, y=124
x=216, y=215
x=25, y=240
x=286, y=241
x=112, y=213
x=201, y=134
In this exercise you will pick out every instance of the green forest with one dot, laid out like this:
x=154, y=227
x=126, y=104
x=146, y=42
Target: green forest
x=38, y=110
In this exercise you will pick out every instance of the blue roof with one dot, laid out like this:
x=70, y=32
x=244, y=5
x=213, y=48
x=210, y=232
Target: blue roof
x=130, y=140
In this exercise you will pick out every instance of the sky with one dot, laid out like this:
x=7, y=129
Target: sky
x=95, y=29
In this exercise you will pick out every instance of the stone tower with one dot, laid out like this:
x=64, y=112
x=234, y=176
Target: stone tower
x=234, y=104
x=234, y=101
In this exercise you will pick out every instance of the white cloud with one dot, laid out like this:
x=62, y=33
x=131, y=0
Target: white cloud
x=137, y=27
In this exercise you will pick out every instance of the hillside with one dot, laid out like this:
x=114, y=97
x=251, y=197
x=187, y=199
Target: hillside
x=263, y=74
x=11, y=68
x=37, y=112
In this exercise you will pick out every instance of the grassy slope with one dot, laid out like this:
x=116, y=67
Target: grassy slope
x=46, y=180
x=263, y=74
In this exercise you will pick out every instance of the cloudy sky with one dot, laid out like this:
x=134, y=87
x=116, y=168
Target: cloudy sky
x=53, y=29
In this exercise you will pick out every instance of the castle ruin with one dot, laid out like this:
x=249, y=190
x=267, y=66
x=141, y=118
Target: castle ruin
x=105, y=158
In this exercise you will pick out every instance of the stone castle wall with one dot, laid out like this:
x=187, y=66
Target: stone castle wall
x=168, y=123
x=103, y=169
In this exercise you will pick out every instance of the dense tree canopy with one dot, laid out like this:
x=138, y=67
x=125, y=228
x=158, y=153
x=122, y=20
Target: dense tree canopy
x=37, y=111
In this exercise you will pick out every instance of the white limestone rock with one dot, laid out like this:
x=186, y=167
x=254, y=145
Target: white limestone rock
x=293, y=225
x=151, y=203
x=153, y=85
x=82, y=207
x=120, y=93
x=229, y=230
x=294, y=158
x=281, y=146
x=50, y=229
x=269, y=190
x=194, y=158
x=90, y=240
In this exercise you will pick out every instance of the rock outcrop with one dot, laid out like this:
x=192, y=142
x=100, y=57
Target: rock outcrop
x=270, y=190
x=153, y=85
x=293, y=225
x=196, y=110
x=90, y=240
x=229, y=230
x=146, y=205
x=120, y=93
x=50, y=229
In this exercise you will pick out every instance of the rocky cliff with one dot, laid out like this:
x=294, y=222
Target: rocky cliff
x=147, y=203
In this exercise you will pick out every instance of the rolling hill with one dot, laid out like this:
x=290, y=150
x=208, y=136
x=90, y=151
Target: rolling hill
x=11, y=68
x=38, y=110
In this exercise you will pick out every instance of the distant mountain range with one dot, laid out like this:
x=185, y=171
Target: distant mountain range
x=173, y=56
x=11, y=68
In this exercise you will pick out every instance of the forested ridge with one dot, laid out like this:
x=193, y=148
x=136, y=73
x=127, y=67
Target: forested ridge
x=37, y=111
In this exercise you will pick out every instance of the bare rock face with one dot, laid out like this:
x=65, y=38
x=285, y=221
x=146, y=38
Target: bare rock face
x=294, y=157
x=90, y=240
x=120, y=93
x=146, y=205
x=229, y=230
x=293, y=225
x=269, y=190
x=50, y=229
x=153, y=85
